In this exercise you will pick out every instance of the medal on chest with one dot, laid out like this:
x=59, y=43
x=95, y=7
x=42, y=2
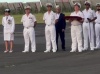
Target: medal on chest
x=9, y=22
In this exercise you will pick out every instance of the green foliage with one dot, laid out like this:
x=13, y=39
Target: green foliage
x=43, y=9
x=2, y=10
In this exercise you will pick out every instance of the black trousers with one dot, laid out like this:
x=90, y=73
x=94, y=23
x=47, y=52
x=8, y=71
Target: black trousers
x=62, y=37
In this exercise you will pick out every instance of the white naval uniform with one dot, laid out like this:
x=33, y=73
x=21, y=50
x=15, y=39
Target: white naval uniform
x=97, y=30
x=9, y=28
x=29, y=32
x=50, y=31
x=76, y=32
x=88, y=30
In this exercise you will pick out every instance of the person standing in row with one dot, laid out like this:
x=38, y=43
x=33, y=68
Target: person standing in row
x=29, y=23
x=50, y=31
x=88, y=30
x=97, y=27
x=60, y=27
x=9, y=28
x=76, y=29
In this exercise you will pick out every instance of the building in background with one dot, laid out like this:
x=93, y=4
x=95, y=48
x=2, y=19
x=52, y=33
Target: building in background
x=66, y=5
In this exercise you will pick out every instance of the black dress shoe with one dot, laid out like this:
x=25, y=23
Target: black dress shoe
x=63, y=49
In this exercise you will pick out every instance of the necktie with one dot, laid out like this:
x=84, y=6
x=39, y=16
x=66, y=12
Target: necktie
x=6, y=17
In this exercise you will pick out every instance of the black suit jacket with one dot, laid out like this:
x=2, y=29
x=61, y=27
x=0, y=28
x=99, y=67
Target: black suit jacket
x=61, y=24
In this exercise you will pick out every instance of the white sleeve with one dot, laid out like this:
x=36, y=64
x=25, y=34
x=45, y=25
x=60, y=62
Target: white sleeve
x=82, y=15
x=22, y=18
x=71, y=14
x=44, y=17
x=3, y=21
x=34, y=18
x=94, y=14
x=13, y=25
x=55, y=16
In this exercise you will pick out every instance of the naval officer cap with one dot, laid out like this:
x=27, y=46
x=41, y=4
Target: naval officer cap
x=48, y=5
x=98, y=4
x=57, y=6
x=87, y=2
x=78, y=4
x=27, y=7
x=7, y=10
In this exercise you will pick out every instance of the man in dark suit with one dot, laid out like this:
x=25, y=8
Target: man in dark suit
x=60, y=27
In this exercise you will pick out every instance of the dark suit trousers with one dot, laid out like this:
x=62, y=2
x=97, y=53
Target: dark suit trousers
x=62, y=37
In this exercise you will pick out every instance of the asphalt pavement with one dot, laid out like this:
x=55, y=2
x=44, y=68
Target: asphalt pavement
x=46, y=63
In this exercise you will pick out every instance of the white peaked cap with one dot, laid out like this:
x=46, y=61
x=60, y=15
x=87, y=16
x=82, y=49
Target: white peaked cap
x=77, y=3
x=27, y=7
x=87, y=2
x=98, y=4
x=48, y=4
x=57, y=6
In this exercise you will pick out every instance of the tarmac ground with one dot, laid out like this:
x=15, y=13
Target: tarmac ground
x=46, y=63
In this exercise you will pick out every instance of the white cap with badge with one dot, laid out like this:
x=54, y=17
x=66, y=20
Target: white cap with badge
x=7, y=10
x=98, y=4
x=48, y=4
x=57, y=6
x=78, y=4
x=87, y=2
x=27, y=7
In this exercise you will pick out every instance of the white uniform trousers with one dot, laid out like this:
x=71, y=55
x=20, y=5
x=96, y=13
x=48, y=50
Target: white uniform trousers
x=97, y=32
x=76, y=35
x=88, y=33
x=29, y=35
x=50, y=35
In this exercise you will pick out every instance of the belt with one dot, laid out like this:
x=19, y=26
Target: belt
x=86, y=22
x=98, y=23
x=28, y=27
x=75, y=25
x=49, y=25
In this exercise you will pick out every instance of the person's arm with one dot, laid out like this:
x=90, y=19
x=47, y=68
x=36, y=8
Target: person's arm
x=64, y=23
x=82, y=16
x=95, y=17
x=35, y=21
x=56, y=18
x=13, y=26
x=44, y=18
x=70, y=20
x=22, y=20
x=3, y=21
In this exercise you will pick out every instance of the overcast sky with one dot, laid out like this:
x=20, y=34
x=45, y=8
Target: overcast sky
x=18, y=1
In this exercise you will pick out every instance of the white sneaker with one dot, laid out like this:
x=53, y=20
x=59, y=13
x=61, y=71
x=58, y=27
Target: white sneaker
x=54, y=51
x=80, y=51
x=72, y=51
x=6, y=51
x=25, y=51
x=46, y=51
x=92, y=49
x=84, y=49
x=33, y=51
x=10, y=51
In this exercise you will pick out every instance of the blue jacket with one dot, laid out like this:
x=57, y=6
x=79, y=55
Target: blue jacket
x=61, y=24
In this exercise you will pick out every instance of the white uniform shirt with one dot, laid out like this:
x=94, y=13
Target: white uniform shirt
x=58, y=15
x=88, y=14
x=50, y=18
x=28, y=21
x=98, y=17
x=79, y=14
x=9, y=24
